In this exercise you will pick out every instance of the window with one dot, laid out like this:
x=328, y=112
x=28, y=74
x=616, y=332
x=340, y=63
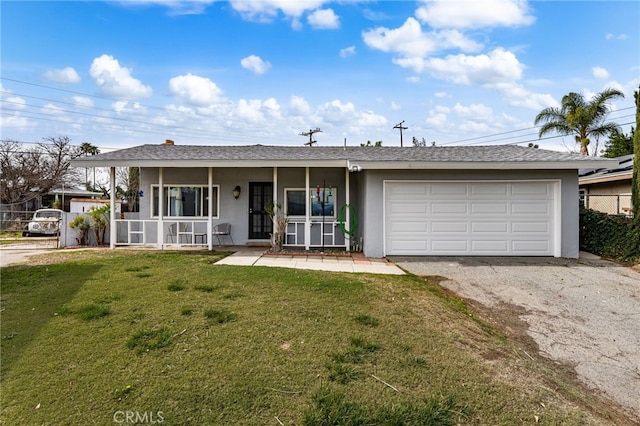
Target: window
x=295, y=202
x=185, y=201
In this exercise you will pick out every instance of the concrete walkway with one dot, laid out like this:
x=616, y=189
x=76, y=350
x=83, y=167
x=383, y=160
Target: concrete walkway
x=356, y=263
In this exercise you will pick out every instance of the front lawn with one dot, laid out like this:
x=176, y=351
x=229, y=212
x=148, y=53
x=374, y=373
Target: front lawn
x=171, y=338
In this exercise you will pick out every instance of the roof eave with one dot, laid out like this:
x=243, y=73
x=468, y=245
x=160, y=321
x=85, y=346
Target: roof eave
x=475, y=165
x=208, y=163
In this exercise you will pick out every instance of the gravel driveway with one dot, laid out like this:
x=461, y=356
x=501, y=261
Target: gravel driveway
x=585, y=312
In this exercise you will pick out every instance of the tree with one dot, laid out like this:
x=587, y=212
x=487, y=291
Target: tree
x=87, y=149
x=377, y=143
x=619, y=144
x=28, y=172
x=582, y=118
x=128, y=186
x=635, y=178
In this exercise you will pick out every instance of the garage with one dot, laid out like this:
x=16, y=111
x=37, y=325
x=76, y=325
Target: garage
x=472, y=218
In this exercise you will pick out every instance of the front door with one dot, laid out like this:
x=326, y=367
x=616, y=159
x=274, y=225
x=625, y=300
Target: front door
x=260, y=198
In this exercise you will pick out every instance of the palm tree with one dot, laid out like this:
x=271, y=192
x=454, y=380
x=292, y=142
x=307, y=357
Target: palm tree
x=87, y=149
x=580, y=117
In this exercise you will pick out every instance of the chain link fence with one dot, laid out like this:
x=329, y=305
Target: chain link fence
x=617, y=204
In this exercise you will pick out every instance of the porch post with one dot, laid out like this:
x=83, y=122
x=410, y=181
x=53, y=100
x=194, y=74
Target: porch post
x=160, y=208
x=347, y=210
x=275, y=186
x=113, y=231
x=307, y=210
x=275, y=206
x=210, y=207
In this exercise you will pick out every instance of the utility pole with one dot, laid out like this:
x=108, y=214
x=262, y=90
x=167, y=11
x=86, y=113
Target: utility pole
x=401, y=127
x=310, y=134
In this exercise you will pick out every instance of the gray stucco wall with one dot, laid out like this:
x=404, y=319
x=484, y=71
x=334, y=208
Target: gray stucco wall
x=372, y=218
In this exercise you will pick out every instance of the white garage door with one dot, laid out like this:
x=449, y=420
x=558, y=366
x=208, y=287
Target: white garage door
x=515, y=218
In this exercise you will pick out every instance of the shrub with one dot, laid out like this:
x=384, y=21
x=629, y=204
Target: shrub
x=613, y=237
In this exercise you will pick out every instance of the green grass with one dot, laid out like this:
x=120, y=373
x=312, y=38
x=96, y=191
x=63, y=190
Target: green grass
x=85, y=338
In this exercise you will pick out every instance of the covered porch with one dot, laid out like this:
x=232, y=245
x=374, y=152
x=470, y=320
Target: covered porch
x=319, y=204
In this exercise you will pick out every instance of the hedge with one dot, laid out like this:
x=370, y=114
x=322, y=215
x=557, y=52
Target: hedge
x=609, y=236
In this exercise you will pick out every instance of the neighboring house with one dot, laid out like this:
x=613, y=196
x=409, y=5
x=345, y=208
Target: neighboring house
x=83, y=205
x=608, y=189
x=467, y=201
x=64, y=196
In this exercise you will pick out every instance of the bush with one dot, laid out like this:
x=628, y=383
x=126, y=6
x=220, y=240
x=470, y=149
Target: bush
x=613, y=237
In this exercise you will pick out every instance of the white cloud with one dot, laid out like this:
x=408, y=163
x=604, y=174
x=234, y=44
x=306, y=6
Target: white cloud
x=610, y=36
x=195, y=90
x=51, y=109
x=517, y=95
x=473, y=111
x=299, y=106
x=268, y=10
x=436, y=119
x=394, y=106
x=413, y=79
x=178, y=7
x=255, y=110
x=83, y=101
x=336, y=112
x=498, y=66
x=124, y=107
x=600, y=73
x=370, y=119
x=115, y=80
x=441, y=94
x=347, y=51
x=474, y=14
x=407, y=39
x=411, y=42
x=64, y=75
x=16, y=102
x=323, y=19
x=255, y=64
x=15, y=121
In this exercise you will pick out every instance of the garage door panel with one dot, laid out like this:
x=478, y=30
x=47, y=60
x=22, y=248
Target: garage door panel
x=531, y=208
x=411, y=208
x=484, y=189
x=470, y=218
x=451, y=246
x=409, y=246
x=449, y=208
x=448, y=190
x=410, y=227
x=489, y=208
x=531, y=189
x=447, y=227
x=492, y=227
x=530, y=247
x=490, y=246
x=530, y=227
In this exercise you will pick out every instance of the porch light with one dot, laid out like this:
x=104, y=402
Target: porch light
x=236, y=191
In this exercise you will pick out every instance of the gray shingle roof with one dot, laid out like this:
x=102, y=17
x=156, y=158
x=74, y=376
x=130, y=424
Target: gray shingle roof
x=494, y=153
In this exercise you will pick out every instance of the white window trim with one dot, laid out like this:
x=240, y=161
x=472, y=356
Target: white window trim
x=312, y=193
x=180, y=185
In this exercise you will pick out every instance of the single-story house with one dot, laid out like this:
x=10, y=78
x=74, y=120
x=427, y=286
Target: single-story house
x=468, y=201
x=608, y=188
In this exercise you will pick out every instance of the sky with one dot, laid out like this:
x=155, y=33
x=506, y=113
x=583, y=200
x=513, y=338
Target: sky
x=242, y=72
